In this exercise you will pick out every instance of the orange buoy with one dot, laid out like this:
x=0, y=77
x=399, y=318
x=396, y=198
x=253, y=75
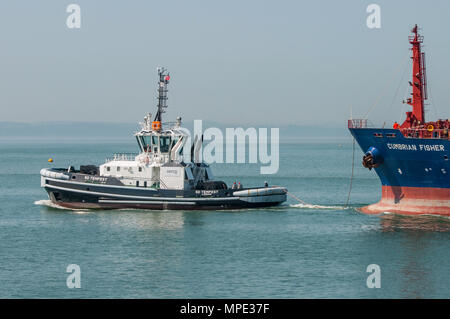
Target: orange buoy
x=50, y=160
x=430, y=128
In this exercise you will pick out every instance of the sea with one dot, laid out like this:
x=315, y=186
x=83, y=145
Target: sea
x=316, y=245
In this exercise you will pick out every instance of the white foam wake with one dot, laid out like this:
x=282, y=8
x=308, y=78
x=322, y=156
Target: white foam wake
x=49, y=203
x=311, y=206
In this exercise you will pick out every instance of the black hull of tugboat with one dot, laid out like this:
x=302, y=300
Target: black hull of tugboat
x=163, y=206
x=77, y=195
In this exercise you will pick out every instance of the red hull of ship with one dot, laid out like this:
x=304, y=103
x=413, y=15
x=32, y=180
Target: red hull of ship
x=411, y=201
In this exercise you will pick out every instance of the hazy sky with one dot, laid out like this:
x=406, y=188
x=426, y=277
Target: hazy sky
x=261, y=62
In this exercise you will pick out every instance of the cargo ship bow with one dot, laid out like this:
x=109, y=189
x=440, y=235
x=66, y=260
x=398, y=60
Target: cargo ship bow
x=410, y=159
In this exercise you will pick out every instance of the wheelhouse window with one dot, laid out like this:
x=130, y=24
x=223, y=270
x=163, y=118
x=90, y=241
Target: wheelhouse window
x=139, y=141
x=151, y=143
x=155, y=143
x=146, y=143
x=164, y=143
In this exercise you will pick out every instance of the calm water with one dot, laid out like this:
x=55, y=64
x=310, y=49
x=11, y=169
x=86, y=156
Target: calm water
x=293, y=251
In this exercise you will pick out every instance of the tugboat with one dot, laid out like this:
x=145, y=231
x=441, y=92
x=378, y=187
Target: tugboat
x=410, y=159
x=159, y=177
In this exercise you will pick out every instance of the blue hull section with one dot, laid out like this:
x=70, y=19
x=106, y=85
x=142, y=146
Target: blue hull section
x=407, y=162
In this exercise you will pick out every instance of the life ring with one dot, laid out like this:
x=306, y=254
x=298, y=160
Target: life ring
x=430, y=128
x=156, y=125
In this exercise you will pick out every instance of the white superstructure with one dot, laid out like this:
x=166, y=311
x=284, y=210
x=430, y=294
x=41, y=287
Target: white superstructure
x=160, y=163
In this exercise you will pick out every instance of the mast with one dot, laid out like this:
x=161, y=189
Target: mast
x=419, y=83
x=164, y=78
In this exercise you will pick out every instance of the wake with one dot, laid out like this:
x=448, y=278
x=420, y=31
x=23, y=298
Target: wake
x=49, y=203
x=312, y=206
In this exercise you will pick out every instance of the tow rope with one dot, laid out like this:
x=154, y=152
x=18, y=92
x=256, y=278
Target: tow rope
x=351, y=176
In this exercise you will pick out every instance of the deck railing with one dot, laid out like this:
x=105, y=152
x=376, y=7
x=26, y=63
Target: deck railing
x=418, y=132
x=122, y=157
x=425, y=133
x=358, y=123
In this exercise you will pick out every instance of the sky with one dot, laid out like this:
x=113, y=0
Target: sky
x=239, y=62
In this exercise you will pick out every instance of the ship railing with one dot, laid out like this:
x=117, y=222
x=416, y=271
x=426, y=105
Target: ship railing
x=359, y=123
x=171, y=125
x=122, y=157
x=151, y=182
x=425, y=133
x=140, y=178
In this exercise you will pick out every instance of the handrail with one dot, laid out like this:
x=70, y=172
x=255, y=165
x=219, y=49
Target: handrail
x=425, y=133
x=122, y=157
x=359, y=123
